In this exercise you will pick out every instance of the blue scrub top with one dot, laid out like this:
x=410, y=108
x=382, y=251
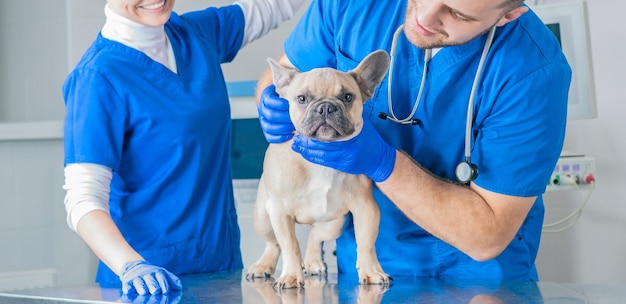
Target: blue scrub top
x=166, y=137
x=518, y=125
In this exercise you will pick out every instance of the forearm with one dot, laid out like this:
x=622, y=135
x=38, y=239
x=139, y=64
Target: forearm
x=454, y=213
x=87, y=206
x=103, y=237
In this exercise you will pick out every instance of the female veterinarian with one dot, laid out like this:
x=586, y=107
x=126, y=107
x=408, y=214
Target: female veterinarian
x=147, y=169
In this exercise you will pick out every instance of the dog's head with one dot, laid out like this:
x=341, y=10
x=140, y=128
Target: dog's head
x=327, y=104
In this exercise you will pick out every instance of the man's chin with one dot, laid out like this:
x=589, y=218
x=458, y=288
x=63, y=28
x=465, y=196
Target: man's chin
x=422, y=42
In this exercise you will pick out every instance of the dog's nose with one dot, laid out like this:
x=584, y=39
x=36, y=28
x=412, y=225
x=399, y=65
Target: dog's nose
x=326, y=108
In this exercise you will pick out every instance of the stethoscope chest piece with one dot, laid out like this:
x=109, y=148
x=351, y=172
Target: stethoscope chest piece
x=466, y=172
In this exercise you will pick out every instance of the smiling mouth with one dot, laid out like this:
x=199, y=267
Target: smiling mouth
x=422, y=30
x=154, y=6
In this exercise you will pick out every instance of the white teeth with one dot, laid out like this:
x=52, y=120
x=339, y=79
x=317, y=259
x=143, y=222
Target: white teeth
x=154, y=6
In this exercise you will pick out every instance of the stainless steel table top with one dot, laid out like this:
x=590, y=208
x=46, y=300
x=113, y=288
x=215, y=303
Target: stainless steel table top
x=232, y=287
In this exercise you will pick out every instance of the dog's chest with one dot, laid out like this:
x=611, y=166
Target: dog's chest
x=322, y=198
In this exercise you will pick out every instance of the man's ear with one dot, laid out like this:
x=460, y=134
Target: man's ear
x=512, y=15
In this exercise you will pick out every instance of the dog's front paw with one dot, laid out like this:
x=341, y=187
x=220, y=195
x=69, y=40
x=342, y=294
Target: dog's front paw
x=289, y=281
x=315, y=267
x=259, y=271
x=373, y=276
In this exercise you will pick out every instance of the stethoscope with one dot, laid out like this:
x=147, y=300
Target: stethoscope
x=465, y=171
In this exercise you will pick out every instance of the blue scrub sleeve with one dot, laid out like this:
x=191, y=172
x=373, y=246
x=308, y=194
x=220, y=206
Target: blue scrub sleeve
x=520, y=139
x=314, y=34
x=94, y=123
x=220, y=22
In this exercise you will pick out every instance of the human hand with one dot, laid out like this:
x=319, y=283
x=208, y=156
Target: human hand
x=366, y=153
x=274, y=116
x=145, y=278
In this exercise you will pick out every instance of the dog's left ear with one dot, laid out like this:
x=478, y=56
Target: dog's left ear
x=281, y=75
x=370, y=72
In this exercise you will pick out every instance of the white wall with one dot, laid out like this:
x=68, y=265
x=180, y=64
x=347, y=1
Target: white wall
x=593, y=250
x=32, y=221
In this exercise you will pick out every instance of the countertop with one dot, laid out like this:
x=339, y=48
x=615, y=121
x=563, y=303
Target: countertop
x=232, y=287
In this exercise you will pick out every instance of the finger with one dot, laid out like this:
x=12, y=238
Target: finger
x=305, y=143
x=152, y=284
x=321, y=153
x=303, y=146
x=276, y=103
x=270, y=98
x=162, y=282
x=140, y=286
x=274, y=115
x=277, y=128
x=127, y=287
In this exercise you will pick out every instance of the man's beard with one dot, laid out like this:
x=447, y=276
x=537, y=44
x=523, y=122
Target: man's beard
x=441, y=41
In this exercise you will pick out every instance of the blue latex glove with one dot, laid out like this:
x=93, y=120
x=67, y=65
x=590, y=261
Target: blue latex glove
x=367, y=153
x=274, y=116
x=145, y=278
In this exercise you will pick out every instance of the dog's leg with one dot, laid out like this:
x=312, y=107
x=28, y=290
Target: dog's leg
x=366, y=221
x=284, y=227
x=265, y=266
x=322, y=231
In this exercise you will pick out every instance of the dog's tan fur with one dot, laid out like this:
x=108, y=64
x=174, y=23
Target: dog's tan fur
x=324, y=104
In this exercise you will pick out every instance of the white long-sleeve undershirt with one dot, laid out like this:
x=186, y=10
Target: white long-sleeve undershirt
x=150, y=40
x=87, y=189
x=261, y=16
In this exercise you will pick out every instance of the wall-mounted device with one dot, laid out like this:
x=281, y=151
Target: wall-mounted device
x=572, y=172
x=569, y=23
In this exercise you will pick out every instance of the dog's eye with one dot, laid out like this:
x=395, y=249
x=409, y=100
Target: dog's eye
x=301, y=99
x=347, y=98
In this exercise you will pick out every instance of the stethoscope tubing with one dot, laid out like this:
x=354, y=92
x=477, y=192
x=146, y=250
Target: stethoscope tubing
x=470, y=105
x=427, y=57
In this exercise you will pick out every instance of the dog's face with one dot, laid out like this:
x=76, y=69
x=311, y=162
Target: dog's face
x=327, y=104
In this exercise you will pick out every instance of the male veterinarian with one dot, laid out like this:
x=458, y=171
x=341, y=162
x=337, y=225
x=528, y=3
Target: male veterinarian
x=445, y=212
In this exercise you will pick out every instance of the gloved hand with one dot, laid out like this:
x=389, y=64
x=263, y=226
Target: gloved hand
x=367, y=153
x=145, y=278
x=274, y=116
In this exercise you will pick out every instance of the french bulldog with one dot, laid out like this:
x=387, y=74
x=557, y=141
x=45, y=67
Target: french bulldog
x=324, y=104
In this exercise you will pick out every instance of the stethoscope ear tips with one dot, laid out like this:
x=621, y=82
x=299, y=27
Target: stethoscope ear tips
x=466, y=172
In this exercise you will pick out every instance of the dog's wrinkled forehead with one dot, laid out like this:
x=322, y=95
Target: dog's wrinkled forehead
x=324, y=82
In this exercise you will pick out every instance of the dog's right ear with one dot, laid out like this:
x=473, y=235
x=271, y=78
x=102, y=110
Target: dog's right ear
x=281, y=75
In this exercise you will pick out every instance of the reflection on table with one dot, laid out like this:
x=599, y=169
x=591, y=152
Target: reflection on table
x=232, y=287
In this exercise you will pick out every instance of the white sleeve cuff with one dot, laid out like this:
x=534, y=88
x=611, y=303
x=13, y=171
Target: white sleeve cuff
x=87, y=189
x=261, y=16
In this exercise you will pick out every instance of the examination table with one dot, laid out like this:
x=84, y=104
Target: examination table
x=232, y=287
